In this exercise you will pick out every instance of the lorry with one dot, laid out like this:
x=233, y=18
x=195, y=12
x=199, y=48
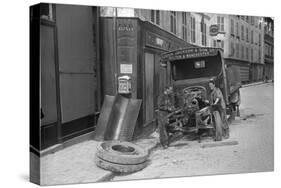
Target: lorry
x=189, y=72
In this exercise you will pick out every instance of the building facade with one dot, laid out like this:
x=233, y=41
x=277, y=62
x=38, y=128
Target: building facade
x=241, y=38
x=268, y=48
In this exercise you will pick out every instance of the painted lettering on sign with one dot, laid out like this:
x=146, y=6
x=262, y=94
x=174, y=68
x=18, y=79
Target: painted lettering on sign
x=126, y=68
x=189, y=53
x=125, y=27
x=158, y=42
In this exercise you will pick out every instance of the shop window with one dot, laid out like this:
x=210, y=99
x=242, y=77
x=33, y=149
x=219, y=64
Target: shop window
x=173, y=22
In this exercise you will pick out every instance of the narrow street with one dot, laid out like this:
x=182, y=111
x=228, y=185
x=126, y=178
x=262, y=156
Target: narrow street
x=254, y=152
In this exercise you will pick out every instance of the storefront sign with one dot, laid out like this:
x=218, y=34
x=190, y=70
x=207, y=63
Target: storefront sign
x=189, y=53
x=156, y=41
x=126, y=68
x=214, y=30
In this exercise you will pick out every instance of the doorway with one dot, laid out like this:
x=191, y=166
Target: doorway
x=149, y=87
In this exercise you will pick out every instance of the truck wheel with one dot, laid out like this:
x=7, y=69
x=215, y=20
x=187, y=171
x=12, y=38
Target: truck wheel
x=218, y=126
x=121, y=152
x=119, y=168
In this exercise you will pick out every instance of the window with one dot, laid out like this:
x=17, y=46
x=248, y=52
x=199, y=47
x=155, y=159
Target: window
x=242, y=51
x=237, y=50
x=242, y=32
x=184, y=26
x=247, y=34
x=259, y=56
x=46, y=12
x=222, y=44
x=259, y=39
x=247, y=19
x=220, y=22
x=193, y=39
x=231, y=27
x=158, y=17
x=247, y=53
x=214, y=43
x=252, y=36
x=232, y=49
x=173, y=22
x=252, y=55
x=155, y=16
x=237, y=30
x=203, y=31
x=152, y=16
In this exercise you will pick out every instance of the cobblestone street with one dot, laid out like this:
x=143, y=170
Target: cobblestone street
x=254, y=153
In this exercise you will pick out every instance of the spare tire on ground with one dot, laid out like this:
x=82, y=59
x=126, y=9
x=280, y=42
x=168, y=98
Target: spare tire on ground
x=119, y=168
x=121, y=152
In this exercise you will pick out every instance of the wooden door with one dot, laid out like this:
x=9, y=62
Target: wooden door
x=149, y=87
x=49, y=107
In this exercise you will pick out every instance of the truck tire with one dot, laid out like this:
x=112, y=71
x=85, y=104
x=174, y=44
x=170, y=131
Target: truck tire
x=218, y=126
x=121, y=152
x=119, y=168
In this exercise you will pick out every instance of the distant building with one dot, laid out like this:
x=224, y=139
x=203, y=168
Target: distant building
x=268, y=47
x=241, y=39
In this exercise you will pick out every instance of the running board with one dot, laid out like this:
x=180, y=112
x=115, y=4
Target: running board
x=117, y=119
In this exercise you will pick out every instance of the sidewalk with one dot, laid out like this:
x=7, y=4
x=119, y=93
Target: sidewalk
x=75, y=164
x=255, y=83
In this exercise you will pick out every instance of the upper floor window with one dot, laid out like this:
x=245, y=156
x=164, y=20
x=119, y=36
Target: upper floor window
x=193, y=31
x=173, y=22
x=237, y=30
x=231, y=27
x=237, y=50
x=155, y=16
x=242, y=32
x=220, y=22
x=247, y=34
x=184, y=26
x=242, y=51
x=252, y=36
x=203, y=31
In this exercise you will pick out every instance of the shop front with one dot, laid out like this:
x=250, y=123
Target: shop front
x=244, y=67
x=69, y=80
x=133, y=50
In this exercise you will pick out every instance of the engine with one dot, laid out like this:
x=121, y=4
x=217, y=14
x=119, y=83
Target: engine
x=193, y=99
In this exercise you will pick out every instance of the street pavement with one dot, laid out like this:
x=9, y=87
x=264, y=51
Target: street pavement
x=254, y=152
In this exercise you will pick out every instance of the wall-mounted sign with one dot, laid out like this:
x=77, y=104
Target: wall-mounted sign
x=214, y=30
x=157, y=41
x=126, y=68
x=189, y=53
